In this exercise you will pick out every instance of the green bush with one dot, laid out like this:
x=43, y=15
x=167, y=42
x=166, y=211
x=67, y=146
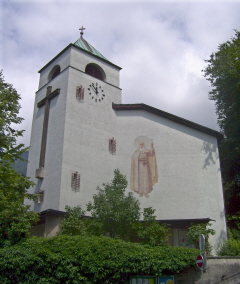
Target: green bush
x=230, y=248
x=200, y=228
x=73, y=223
x=82, y=259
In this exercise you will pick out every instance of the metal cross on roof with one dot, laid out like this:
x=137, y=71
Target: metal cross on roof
x=81, y=29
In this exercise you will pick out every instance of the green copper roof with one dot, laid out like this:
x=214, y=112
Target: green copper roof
x=82, y=43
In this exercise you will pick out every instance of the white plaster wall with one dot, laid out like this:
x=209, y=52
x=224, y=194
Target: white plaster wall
x=89, y=126
x=82, y=125
x=189, y=179
x=63, y=60
x=54, y=148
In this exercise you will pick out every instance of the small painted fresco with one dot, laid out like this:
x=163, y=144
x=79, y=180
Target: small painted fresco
x=80, y=93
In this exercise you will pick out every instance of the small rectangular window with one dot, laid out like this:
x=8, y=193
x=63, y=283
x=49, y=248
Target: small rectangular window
x=75, y=181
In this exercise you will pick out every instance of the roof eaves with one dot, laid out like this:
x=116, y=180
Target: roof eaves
x=170, y=116
x=183, y=223
x=52, y=212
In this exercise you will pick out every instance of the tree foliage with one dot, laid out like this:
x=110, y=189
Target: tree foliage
x=113, y=209
x=150, y=232
x=230, y=248
x=10, y=150
x=15, y=219
x=116, y=215
x=82, y=259
x=223, y=72
x=73, y=223
x=201, y=228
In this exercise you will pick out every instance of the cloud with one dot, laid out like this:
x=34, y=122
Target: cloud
x=160, y=45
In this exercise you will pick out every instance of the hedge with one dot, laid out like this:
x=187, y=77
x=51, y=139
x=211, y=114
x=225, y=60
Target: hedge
x=81, y=259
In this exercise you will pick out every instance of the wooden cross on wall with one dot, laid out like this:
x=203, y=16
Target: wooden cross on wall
x=46, y=101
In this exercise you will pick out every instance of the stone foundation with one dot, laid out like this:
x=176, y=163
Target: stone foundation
x=224, y=270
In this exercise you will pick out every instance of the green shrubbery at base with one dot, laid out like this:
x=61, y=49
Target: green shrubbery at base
x=83, y=259
x=230, y=248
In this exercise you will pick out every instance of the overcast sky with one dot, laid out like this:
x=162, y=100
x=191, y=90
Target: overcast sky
x=161, y=46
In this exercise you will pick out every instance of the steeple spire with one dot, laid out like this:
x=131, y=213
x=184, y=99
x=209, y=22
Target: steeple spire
x=82, y=43
x=81, y=29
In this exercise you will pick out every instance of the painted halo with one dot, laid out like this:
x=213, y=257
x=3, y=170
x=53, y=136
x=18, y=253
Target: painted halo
x=142, y=139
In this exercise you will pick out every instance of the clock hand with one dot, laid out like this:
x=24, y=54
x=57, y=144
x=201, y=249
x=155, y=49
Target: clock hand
x=92, y=86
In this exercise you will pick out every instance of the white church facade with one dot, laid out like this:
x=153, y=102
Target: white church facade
x=81, y=133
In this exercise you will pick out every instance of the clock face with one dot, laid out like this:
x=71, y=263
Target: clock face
x=96, y=92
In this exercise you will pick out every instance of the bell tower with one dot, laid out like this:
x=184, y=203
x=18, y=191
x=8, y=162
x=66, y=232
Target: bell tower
x=73, y=124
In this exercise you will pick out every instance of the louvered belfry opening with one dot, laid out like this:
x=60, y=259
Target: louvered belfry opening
x=94, y=71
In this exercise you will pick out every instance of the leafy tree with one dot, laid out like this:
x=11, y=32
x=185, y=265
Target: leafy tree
x=73, y=223
x=150, y=232
x=10, y=150
x=115, y=210
x=223, y=72
x=118, y=215
x=195, y=230
x=15, y=219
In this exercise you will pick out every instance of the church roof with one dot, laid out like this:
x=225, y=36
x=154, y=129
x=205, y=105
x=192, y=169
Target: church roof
x=82, y=43
x=169, y=116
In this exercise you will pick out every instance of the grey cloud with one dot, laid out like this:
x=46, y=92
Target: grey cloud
x=160, y=46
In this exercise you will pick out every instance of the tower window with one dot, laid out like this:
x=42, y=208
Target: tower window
x=112, y=146
x=95, y=71
x=54, y=72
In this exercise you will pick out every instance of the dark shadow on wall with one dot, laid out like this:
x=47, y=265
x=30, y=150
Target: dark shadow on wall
x=211, y=154
x=221, y=240
x=223, y=236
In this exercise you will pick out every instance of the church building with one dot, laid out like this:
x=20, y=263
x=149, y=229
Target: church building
x=81, y=133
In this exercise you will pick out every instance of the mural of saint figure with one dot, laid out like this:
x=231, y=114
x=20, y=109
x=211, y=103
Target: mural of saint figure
x=143, y=167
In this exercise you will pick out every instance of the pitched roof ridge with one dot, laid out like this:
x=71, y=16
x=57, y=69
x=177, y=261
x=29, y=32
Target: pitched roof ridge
x=87, y=44
x=82, y=43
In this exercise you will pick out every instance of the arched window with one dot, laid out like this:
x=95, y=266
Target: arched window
x=54, y=72
x=95, y=71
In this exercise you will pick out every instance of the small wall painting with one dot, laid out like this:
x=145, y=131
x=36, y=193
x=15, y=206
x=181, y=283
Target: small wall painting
x=144, y=172
x=80, y=93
